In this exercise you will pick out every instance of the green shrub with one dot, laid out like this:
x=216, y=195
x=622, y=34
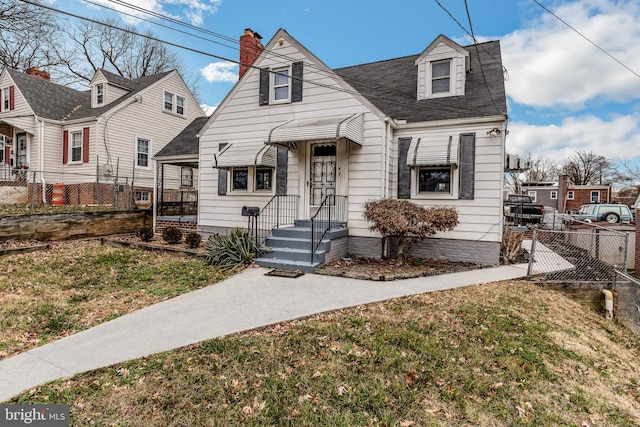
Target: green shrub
x=171, y=235
x=193, y=240
x=145, y=233
x=233, y=250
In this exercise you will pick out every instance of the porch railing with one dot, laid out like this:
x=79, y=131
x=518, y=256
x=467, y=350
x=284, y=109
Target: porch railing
x=331, y=213
x=278, y=212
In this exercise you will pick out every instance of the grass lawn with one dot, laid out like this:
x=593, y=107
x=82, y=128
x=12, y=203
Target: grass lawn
x=500, y=354
x=49, y=294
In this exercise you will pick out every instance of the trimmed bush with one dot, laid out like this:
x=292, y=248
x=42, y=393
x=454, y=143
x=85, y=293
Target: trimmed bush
x=193, y=240
x=171, y=235
x=229, y=251
x=145, y=233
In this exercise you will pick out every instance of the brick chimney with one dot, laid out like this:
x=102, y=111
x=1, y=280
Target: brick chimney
x=250, y=48
x=35, y=71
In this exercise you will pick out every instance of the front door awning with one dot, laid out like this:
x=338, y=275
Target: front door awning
x=245, y=154
x=442, y=151
x=330, y=128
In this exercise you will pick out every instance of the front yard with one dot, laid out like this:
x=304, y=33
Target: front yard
x=71, y=286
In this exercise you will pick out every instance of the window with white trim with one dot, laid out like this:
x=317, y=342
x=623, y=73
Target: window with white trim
x=251, y=179
x=281, y=84
x=441, y=76
x=533, y=195
x=143, y=196
x=595, y=196
x=240, y=179
x=186, y=177
x=553, y=195
x=570, y=195
x=264, y=178
x=435, y=179
x=75, y=148
x=99, y=94
x=143, y=150
x=6, y=96
x=180, y=105
x=174, y=104
x=2, y=159
x=168, y=101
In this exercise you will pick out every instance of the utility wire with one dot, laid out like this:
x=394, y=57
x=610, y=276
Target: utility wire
x=412, y=104
x=475, y=43
x=286, y=58
x=585, y=37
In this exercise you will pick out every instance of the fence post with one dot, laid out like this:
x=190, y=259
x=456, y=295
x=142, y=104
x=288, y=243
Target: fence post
x=533, y=252
x=33, y=192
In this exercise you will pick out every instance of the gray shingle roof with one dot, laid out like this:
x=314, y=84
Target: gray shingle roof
x=392, y=87
x=52, y=101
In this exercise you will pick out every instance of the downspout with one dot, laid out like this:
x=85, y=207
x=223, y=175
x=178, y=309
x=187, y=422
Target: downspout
x=385, y=167
x=41, y=163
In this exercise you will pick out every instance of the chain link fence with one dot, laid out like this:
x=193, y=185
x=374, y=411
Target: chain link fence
x=586, y=255
x=40, y=191
x=628, y=296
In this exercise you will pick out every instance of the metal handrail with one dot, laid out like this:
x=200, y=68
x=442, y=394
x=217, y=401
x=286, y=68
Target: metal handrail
x=281, y=210
x=331, y=213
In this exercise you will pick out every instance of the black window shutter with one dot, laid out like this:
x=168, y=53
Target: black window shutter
x=264, y=87
x=222, y=175
x=467, y=165
x=296, y=83
x=282, y=162
x=404, y=171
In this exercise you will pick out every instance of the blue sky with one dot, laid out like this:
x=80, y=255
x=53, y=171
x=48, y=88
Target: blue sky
x=564, y=93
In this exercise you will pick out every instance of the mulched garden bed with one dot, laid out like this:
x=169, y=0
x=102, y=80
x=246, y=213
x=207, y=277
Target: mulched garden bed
x=393, y=268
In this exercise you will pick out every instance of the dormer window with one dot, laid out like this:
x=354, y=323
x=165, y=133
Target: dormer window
x=441, y=76
x=442, y=69
x=99, y=94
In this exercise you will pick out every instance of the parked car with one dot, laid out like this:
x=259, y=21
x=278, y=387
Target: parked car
x=609, y=212
x=520, y=209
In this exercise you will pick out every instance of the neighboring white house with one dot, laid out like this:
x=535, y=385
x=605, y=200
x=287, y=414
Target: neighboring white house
x=113, y=129
x=429, y=127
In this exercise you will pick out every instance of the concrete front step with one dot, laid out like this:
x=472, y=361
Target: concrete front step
x=289, y=248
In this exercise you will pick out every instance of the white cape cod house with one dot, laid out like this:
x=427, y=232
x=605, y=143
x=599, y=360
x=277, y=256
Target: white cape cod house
x=296, y=139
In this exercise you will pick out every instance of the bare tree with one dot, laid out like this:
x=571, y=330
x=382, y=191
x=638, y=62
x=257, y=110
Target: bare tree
x=589, y=168
x=541, y=169
x=104, y=46
x=27, y=35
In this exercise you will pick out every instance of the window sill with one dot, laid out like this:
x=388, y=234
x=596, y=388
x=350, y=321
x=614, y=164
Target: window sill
x=172, y=113
x=434, y=196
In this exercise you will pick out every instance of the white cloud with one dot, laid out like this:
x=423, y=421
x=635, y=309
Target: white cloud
x=550, y=65
x=216, y=72
x=193, y=10
x=208, y=109
x=614, y=139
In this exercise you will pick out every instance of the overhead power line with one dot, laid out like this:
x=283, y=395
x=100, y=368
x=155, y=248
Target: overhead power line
x=585, y=37
x=410, y=97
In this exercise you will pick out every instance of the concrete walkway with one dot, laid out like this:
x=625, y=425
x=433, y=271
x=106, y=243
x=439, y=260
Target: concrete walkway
x=245, y=301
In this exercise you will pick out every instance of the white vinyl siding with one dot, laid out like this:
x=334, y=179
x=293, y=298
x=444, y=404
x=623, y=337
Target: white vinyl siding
x=361, y=169
x=477, y=216
x=364, y=172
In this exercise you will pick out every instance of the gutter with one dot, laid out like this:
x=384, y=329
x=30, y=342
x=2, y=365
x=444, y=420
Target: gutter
x=401, y=124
